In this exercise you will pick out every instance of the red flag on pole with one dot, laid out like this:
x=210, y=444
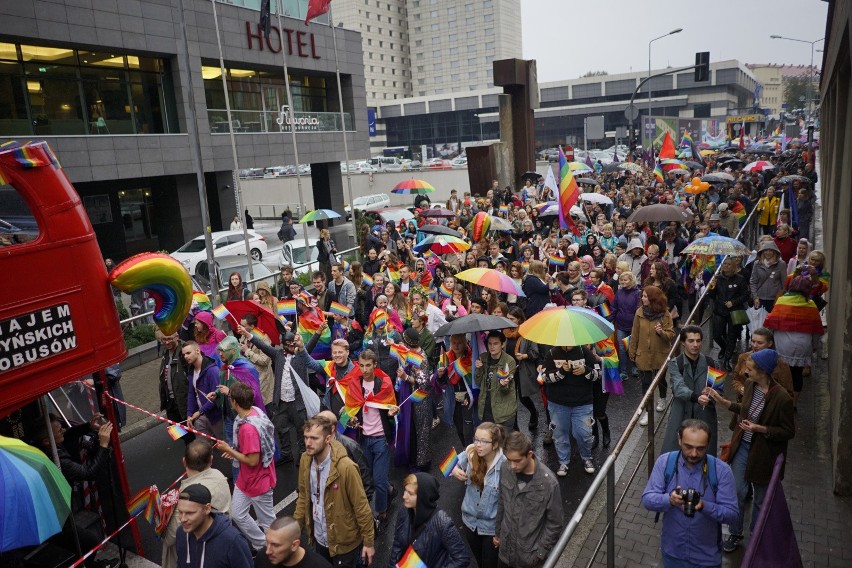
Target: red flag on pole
x=316, y=8
x=668, y=148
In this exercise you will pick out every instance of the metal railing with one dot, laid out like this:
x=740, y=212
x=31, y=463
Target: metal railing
x=748, y=233
x=274, y=210
x=272, y=121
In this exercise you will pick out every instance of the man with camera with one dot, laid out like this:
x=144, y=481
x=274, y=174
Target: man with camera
x=696, y=494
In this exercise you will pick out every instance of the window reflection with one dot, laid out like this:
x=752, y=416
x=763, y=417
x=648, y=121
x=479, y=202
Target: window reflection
x=17, y=224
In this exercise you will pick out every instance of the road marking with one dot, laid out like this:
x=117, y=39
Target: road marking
x=281, y=505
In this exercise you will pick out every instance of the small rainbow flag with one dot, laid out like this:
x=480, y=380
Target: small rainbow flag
x=176, y=431
x=739, y=210
x=381, y=320
x=715, y=378
x=604, y=309
x=393, y=274
x=504, y=209
x=626, y=343
x=419, y=395
x=339, y=309
x=367, y=279
x=286, y=307
x=445, y=292
x=329, y=368
x=202, y=301
x=460, y=368
x=345, y=265
x=221, y=312
x=410, y=560
x=503, y=373
x=446, y=466
x=399, y=352
x=414, y=358
x=145, y=502
x=556, y=260
x=258, y=334
x=540, y=378
x=658, y=173
x=444, y=360
x=426, y=279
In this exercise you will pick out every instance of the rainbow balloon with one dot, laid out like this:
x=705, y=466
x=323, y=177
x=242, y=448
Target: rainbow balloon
x=164, y=279
x=481, y=223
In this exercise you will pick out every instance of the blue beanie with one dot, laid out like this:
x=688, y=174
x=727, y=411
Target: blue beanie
x=765, y=359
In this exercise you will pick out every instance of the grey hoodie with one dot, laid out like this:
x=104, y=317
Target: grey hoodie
x=221, y=546
x=767, y=282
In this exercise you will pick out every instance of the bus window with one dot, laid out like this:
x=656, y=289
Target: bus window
x=17, y=224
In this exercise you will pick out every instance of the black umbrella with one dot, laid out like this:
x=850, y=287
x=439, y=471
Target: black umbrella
x=439, y=230
x=532, y=176
x=660, y=213
x=711, y=178
x=473, y=322
x=613, y=167
x=437, y=212
x=588, y=181
x=789, y=179
x=695, y=165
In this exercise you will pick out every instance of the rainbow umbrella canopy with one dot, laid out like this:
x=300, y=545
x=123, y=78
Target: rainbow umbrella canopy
x=442, y=244
x=566, y=326
x=578, y=167
x=35, y=499
x=412, y=186
x=716, y=245
x=319, y=215
x=490, y=278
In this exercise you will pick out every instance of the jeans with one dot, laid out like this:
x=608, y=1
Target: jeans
x=568, y=419
x=625, y=365
x=229, y=439
x=378, y=456
x=672, y=562
x=482, y=547
x=263, y=508
x=738, y=466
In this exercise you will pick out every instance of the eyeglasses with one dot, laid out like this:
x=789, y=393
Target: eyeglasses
x=478, y=442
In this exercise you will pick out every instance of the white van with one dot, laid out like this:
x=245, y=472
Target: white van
x=386, y=164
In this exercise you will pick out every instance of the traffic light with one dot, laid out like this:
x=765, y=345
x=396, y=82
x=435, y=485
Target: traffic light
x=702, y=66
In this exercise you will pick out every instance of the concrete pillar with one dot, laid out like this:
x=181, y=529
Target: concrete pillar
x=506, y=150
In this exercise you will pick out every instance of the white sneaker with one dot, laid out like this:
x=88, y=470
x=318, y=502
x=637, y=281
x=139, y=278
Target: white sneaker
x=643, y=420
x=661, y=405
x=563, y=470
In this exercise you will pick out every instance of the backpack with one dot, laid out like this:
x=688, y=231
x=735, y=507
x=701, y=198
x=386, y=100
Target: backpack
x=671, y=464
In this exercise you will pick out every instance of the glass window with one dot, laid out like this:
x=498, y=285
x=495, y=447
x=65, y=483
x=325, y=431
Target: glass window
x=55, y=106
x=137, y=214
x=489, y=17
x=52, y=55
x=17, y=223
x=13, y=106
x=107, y=102
x=436, y=27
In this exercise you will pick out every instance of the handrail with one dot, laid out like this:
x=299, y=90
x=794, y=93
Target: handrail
x=607, y=469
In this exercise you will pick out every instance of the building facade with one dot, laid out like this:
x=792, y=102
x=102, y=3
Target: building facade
x=134, y=110
x=773, y=78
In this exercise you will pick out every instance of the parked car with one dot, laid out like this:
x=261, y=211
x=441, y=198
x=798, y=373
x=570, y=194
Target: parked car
x=225, y=243
x=364, y=167
x=386, y=163
x=294, y=253
x=230, y=264
x=353, y=168
x=368, y=202
x=411, y=165
x=439, y=164
x=251, y=173
x=459, y=162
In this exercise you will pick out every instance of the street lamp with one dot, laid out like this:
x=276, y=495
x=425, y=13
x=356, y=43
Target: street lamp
x=479, y=117
x=810, y=69
x=677, y=31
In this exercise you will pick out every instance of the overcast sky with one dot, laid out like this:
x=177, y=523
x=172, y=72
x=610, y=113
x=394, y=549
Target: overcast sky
x=569, y=38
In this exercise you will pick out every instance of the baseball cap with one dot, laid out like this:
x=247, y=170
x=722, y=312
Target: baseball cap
x=196, y=493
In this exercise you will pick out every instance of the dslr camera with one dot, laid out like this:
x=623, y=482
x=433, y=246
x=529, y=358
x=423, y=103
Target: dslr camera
x=691, y=497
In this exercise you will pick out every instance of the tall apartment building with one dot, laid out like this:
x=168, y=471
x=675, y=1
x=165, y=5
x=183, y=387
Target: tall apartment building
x=773, y=76
x=418, y=48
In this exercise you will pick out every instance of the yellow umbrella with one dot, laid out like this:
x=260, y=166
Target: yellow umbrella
x=707, y=152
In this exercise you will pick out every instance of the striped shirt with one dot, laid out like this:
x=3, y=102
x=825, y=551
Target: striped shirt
x=758, y=401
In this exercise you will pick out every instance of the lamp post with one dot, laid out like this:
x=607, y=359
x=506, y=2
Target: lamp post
x=810, y=69
x=479, y=118
x=677, y=31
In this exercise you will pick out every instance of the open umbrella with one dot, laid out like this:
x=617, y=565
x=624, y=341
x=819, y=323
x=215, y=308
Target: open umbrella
x=442, y=244
x=567, y=326
x=412, y=186
x=438, y=212
x=500, y=224
x=578, y=167
x=789, y=179
x=35, y=499
x=473, y=322
x=490, y=278
x=760, y=165
x=532, y=176
x=596, y=198
x=706, y=153
x=660, y=213
x=630, y=167
x=724, y=176
x=713, y=178
x=695, y=165
x=716, y=245
x=318, y=215
x=612, y=167
x=266, y=320
x=440, y=230
x=587, y=181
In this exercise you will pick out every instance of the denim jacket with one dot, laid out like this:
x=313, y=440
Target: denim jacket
x=479, y=509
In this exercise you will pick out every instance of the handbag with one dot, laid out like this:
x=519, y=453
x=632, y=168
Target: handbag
x=725, y=451
x=739, y=317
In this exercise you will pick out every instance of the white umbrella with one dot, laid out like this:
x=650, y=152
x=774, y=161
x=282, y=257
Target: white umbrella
x=596, y=198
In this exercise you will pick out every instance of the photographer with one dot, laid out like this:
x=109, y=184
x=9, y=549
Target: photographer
x=696, y=494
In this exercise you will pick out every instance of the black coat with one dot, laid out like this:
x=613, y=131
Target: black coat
x=438, y=544
x=538, y=294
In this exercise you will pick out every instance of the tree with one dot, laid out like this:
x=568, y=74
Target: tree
x=796, y=92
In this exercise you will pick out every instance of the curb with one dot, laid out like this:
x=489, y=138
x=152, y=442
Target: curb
x=140, y=427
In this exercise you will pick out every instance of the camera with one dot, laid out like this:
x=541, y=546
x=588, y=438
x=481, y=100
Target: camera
x=691, y=498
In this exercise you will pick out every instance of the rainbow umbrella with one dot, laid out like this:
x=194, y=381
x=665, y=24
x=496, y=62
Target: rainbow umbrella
x=490, y=278
x=567, y=326
x=716, y=245
x=318, y=215
x=442, y=244
x=577, y=167
x=412, y=186
x=35, y=499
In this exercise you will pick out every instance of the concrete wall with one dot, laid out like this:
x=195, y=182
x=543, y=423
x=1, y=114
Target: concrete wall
x=836, y=176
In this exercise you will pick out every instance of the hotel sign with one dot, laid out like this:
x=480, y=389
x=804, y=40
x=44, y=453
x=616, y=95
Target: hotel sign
x=299, y=43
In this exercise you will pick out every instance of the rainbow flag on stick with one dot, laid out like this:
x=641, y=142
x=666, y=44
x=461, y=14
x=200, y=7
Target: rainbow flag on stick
x=715, y=378
x=568, y=194
x=658, y=173
x=604, y=309
x=286, y=307
x=145, y=502
x=400, y=353
x=176, y=431
x=503, y=374
x=393, y=274
x=201, y=300
x=555, y=260
x=609, y=358
x=339, y=309
x=221, y=312
x=446, y=466
x=258, y=334
x=417, y=396
x=410, y=560
x=461, y=368
x=414, y=358
x=368, y=280
x=444, y=360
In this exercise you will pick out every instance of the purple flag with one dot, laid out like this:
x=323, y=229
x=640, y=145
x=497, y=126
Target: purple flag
x=589, y=161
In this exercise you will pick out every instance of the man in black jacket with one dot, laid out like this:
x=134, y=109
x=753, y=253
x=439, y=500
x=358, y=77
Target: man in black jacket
x=174, y=386
x=730, y=293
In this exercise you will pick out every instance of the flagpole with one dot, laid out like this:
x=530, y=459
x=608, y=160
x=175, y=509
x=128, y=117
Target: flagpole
x=292, y=126
x=343, y=131
x=236, y=171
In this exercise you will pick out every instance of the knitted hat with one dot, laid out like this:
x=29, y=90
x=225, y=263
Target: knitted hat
x=765, y=359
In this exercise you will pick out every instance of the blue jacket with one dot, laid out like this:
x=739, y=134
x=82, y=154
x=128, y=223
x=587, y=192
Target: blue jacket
x=208, y=381
x=479, y=508
x=222, y=546
x=624, y=307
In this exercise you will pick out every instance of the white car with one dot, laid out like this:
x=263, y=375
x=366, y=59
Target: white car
x=368, y=202
x=364, y=167
x=459, y=162
x=294, y=253
x=225, y=243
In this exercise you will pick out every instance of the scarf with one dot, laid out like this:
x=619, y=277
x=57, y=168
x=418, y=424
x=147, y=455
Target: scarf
x=794, y=312
x=511, y=332
x=265, y=430
x=651, y=315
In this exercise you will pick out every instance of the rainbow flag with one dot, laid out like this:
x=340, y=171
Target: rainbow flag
x=400, y=352
x=339, y=309
x=410, y=560
x=368, y=280
x=393, y=274
x=606, y=350
x=777, y=131
x=286, y=307
x=740, y=212
x=176, y=431
x=145, y=502
x=715, y=378
x=686, y=140
x=221, y=312
x=258, y=334
x=446, y=466
x=380, y=319
x=345, y=265
x=555, y=260
x=504, y=209
x=626, y=343
x=794, y=312
x=569, y=193
x=604, y=309
x=419, y=395
x=461, y=368
x=201, y=300
x=329, y=368
x=540, y=378
x=445, y=292
x=444, y=360
x=503, y=373
x=658, y=173
x=414, y=358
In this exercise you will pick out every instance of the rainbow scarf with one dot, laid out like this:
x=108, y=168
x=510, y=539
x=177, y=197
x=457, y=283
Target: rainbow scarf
x=525, y=266
x=794, y=312
x=606, y=350
x=444, y=291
